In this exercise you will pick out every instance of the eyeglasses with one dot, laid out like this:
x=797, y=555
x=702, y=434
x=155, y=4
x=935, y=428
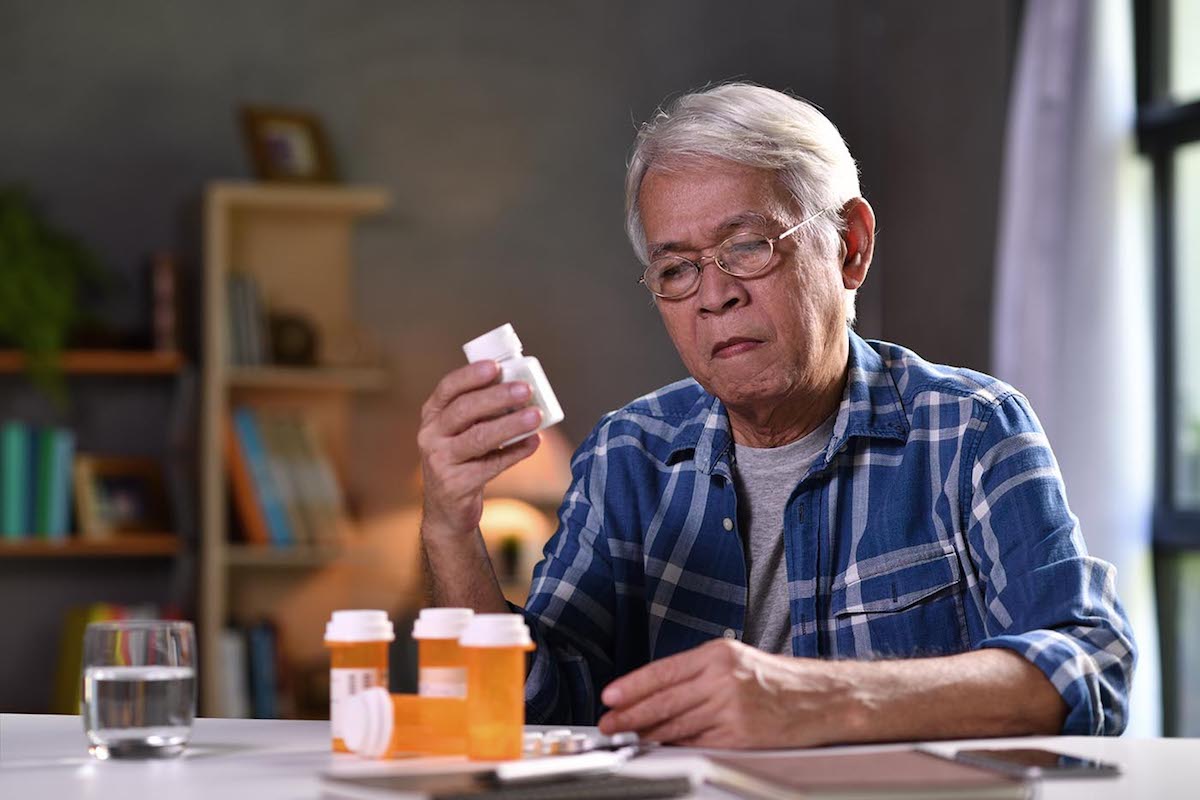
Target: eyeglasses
x=741, y=255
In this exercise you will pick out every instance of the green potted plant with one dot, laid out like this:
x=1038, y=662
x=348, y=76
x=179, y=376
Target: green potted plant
x=43, y=272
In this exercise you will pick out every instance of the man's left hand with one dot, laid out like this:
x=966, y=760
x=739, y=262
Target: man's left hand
x=727, y=694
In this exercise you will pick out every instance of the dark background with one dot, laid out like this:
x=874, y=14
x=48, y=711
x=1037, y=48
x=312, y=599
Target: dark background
x=502, y=131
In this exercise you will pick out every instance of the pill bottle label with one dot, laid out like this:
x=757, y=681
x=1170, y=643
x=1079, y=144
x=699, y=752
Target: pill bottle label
x=343, y=684
x=442, y=682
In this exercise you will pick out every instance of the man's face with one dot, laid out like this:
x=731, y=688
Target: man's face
x=750, y=341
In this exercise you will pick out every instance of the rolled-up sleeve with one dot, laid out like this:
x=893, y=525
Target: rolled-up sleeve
x=570, y=604
x=1046, y=598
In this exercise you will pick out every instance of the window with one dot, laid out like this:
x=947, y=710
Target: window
x=1184, y=76
x=1168, y=80
x=1168, y=84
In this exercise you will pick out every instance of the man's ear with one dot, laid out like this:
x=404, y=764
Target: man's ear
x=858, y=242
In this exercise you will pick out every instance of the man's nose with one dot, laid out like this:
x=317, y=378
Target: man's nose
x=718, y=291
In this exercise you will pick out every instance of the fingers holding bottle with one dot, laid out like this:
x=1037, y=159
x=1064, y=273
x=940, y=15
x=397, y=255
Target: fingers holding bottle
x=480, y=420
x=465, y=423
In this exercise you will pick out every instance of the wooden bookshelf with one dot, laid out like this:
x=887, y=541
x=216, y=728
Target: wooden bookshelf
x=296, y=243
x=103, y=362
x=144, y=545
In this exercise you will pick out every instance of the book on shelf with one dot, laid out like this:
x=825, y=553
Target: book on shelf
x=235, y=668
x=248, y=504
x=255, y=683
x=263, y=657
x=285, y=490
x=57, y=457
x=42, y=479
x=238, y=337
x=324, y=503
x=266, y=493
x=61, y=514
x=285, y=470
x=887, y=774
x=35, y=481
x=14, y=492
x=248, y=337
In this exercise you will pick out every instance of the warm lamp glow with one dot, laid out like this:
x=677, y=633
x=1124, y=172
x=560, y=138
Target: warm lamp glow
x=505, y=517
x=518, y=511
x=542, y=479
x=514, y=532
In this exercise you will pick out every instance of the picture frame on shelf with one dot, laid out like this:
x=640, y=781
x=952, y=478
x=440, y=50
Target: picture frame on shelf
x=119, y=495
x=287, y=145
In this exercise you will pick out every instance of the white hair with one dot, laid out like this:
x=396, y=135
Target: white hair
x=756, y=127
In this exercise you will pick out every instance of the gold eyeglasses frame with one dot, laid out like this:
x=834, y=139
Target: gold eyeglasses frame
x=715, y=255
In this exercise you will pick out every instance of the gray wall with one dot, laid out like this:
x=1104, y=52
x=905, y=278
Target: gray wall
x=502, y=130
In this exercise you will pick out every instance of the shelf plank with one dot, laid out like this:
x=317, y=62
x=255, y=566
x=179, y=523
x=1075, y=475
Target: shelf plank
x=273, y=557
x=142, y=545
x=104, y=362
x=332, y=199
x=363, y=379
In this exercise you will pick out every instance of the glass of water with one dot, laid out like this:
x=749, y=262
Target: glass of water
x=139, y=688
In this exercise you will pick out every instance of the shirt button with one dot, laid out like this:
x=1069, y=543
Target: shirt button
x=730, y=633
x=728, y=523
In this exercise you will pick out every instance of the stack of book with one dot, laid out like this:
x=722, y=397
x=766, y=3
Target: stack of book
x=250, y=662
x=284, y=488
x=248, y=339
x=35, y=481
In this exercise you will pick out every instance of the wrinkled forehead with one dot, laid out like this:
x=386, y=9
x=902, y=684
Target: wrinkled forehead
x=698, y=203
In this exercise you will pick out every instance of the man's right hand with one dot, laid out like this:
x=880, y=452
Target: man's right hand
x=463, y=423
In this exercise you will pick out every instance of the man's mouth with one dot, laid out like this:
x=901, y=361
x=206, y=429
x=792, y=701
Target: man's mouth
x=734, y=346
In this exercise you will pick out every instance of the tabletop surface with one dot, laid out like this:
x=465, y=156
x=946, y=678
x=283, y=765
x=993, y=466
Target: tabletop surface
x=45, y=756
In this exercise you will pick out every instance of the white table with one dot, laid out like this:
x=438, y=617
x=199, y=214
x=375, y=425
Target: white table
x=44, y=757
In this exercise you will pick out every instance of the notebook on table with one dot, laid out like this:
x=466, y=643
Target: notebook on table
x=891, y=774
x=555, y=777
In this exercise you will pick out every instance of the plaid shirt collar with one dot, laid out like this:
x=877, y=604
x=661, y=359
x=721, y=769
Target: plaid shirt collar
x=870, y=407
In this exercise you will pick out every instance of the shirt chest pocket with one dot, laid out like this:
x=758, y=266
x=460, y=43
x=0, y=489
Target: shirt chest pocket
x=904, y=607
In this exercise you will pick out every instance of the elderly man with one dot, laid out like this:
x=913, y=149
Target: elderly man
x=816, y=538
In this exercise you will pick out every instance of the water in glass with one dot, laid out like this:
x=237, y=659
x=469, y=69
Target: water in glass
x=139, y=688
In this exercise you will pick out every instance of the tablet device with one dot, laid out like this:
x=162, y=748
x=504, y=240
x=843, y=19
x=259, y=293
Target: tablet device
x=1029, y=762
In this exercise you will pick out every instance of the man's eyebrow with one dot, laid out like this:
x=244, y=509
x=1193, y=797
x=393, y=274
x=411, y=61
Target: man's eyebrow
x=720, y=232
x=743, y=220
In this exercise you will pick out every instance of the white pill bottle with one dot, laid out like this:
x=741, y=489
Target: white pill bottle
x=504, y=347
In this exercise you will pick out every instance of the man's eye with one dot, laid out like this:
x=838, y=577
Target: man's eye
x=752, y=248
x=673, y=272
x=670, y=272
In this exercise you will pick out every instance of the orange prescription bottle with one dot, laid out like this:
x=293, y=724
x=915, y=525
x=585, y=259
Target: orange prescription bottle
x=441, y=669
x=381, y=725
x=495, y=646
x=358, y=659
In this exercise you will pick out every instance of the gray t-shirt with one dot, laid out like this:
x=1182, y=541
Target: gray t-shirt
x=764, y=478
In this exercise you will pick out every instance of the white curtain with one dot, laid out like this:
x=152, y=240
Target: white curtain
x=1072, y=318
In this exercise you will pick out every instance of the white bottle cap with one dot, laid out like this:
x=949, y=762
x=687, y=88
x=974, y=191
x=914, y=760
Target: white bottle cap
x=359, y=625
x=494, y=345
x=496, y=630
x=441, y=623
x=366, y=720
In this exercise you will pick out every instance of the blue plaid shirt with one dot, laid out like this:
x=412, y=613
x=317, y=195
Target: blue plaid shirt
x=936, y=522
